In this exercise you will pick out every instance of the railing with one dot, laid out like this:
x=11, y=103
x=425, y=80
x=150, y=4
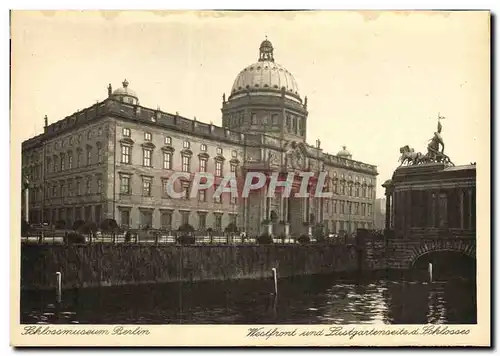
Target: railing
x=163, y=238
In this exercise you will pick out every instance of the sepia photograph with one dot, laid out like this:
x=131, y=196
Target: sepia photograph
x=301, y=177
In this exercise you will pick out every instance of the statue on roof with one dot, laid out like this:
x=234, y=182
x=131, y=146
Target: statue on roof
x=435, y=150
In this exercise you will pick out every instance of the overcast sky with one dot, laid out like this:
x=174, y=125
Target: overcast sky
x=374, y=82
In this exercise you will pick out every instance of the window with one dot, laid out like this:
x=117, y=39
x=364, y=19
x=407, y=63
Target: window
x=147, y=136
x=147, y=183
x=185, y=190
x=203, y=165
x=89, y=186
x=274, y=119
x=71, y=140
x=164, y=185
x=70, y=188
x=203, y=147
x=335, y=207
x=99, y=185
x=146, y=157
x=146, y=218
x=89, y=156
x=217, y=198
x=79, y=158
x=218, y=222
x=63, y=192
x=185, y=217
x=125, y=184
x=126, y=132
x=186, y=163
x=124, y=217
x=63, y=162
x=99, y=154
x=234, y=200
x=202, y=195
x=202, y=221
x=219, y=151
x=89, y=135
x=166, y=220
x=125, y=154
x=254, y=119
x=232, y=218
x=54, y=191
x=234, y=154
x=186, y=144
x=168, y=140
x=99, y=131
x=218, y=168
x=233, y=168
x=56, y=163
x=167, y=160
x=70, y=160
x=356, y=190
x=78, y=187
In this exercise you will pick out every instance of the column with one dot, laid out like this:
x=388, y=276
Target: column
x=26, y=204
x=469, y=193
x=461, y=202
x=387, y=211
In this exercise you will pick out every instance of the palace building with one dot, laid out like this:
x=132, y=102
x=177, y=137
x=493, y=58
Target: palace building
x=113, y=159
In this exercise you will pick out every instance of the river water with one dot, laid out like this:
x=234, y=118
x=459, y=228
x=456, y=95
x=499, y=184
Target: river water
x=326, y=299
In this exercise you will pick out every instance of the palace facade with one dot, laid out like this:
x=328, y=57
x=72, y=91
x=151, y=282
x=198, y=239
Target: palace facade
x=113, y=159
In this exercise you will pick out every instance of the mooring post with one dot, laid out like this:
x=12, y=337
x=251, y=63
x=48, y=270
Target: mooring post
x=275, y=278
x=58, y=287
x=430, y=272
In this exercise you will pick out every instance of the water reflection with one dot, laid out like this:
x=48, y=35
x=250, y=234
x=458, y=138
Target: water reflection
x=304, y=300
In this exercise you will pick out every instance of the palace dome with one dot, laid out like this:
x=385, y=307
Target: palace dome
x=125, y=94
x=344, y=153
x=266, y=75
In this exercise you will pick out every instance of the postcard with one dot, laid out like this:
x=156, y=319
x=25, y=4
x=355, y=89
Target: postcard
x=250, y=178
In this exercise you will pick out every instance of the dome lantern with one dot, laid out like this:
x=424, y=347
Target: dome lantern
x=266, y=51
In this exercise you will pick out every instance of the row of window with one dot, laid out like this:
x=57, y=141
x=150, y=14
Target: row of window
x=347, y=189
x=347, y=207
x=63, y=161
x=166, y=219
x=69, y=188
x=147, y=189
x=147, y=161
x=76, y=139
x=335, y=226
x=148, y=136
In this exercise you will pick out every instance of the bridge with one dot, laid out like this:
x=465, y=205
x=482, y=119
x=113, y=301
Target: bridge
x=379, y=252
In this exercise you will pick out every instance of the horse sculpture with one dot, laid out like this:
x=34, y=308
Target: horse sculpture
x=409, y=156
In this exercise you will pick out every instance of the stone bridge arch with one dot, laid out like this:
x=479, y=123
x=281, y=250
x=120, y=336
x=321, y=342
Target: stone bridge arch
x=465, y=247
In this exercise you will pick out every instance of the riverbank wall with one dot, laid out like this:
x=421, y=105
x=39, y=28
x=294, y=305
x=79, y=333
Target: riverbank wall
x=94, y=265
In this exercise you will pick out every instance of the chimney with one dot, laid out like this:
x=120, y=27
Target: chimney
x=110, y=90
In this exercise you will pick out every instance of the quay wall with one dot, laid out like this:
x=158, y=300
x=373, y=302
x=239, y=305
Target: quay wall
x=94, y=265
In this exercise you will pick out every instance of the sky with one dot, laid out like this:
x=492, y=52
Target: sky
x=375, y=81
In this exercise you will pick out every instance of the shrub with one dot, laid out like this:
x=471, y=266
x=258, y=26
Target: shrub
x=109, y=225
x=60, y=224
x=186, y=228
x=88, y=228
x=231, y=228
x=304, y=239
x=74, y=238
x=264, y=239
x=186, y=240
x=78, y=224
